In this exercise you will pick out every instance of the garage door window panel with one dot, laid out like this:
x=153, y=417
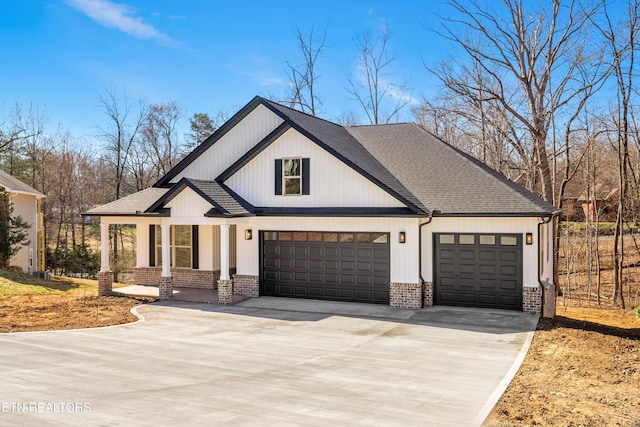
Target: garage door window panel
x=379, y=238
x=467, y=239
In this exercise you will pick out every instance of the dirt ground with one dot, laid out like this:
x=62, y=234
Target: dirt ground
x=582, y=369
x=20, y=313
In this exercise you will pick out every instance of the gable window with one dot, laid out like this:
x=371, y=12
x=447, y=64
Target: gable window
x=184, y=242
x=292, y=176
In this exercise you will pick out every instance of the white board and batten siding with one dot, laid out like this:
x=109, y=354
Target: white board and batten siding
x=332, y=182
x=188, y=208
x=232, y=146
x=403, y=256
x=490, y=226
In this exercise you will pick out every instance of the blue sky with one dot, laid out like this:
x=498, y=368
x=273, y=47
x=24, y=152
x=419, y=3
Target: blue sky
x=208, y=56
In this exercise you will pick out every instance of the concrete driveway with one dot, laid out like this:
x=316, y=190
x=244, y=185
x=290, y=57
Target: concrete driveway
x=266, y=361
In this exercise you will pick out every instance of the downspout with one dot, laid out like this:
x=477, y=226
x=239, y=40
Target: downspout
x=543, y=221
x=429, y=219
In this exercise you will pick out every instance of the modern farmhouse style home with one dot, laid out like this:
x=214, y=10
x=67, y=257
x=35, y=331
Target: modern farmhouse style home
x=280, y=203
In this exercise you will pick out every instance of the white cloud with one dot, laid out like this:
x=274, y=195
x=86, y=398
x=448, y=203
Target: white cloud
x=120, y=17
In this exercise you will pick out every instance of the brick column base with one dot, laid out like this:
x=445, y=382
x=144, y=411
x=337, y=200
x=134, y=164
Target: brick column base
x=105, y=283
x=246, y=285
x=165, y=288
x=225, y=291
x=532, y=300
x=405, y=295
x=428, y=294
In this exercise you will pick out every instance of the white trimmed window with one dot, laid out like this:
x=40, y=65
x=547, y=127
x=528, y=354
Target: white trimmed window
x=292, y=176
x=182, y=254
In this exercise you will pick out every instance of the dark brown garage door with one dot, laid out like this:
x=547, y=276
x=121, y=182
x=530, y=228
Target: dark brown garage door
x=478, y=270
x=322, y=265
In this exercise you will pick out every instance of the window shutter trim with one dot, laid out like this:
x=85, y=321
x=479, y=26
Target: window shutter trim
x=195, y=255
x=306, y=185
x=278, y=180
x=152, y=245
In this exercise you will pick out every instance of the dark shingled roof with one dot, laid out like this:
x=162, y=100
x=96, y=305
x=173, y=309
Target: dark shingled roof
x=444, y=178
x=224, y=202
x=130, y=205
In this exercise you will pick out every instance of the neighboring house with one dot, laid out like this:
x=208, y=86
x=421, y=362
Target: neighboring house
x=27, y=203
x=571, y=206
x=280, y=203
x=599, y=202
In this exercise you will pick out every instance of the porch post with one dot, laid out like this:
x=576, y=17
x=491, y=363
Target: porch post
x=224, y=252
x=105, y=278
x=225, y=285
x=104, y=247
x=165, y=287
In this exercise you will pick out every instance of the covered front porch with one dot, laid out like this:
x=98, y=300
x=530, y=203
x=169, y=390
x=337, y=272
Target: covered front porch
x=202, y=259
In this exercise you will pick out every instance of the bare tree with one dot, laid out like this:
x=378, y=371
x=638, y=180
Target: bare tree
x=20, y=133
x=532, y=63
x=380, y=98
x=303, y=77
x=159, y=139
x=622, y=40
x=123, y=125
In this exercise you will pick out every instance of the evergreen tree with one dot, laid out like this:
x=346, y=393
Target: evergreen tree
x=13, y=230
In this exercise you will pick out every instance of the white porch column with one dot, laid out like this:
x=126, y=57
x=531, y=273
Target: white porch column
x=224, y=252
x=225, y=284
x=104, y=248
x=105, y=278
x=166, y=250
x=138, y=264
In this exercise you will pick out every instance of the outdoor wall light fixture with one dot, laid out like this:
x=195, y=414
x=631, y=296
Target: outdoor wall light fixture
x=529, y=238
x=402, y=237
x=248, y=234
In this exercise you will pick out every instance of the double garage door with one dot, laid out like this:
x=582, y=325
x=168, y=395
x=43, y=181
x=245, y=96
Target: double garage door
x=470, y=270
x=478, y=270
x=334, y=266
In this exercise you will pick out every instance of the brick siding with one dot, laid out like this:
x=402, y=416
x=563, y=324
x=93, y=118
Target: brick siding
x=225, y=292
x=182, y=277
x=248, y=286
x=105, y=283
x=532, y=300
x=405, y=295
x=428, y=294
x=165, y=288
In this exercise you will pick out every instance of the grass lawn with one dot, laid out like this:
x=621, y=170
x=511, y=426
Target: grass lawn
x=28, y=303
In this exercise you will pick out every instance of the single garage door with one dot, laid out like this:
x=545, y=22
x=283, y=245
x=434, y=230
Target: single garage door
x=325, y=265
x=478, y=270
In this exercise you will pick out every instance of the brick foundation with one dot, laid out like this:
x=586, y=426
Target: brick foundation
x=428, y=294
x=105, y=283
x=225, y=291
x=165, y=288
x=245, y=285
x=532, y=300
x=405, y=295
x=182, y=277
